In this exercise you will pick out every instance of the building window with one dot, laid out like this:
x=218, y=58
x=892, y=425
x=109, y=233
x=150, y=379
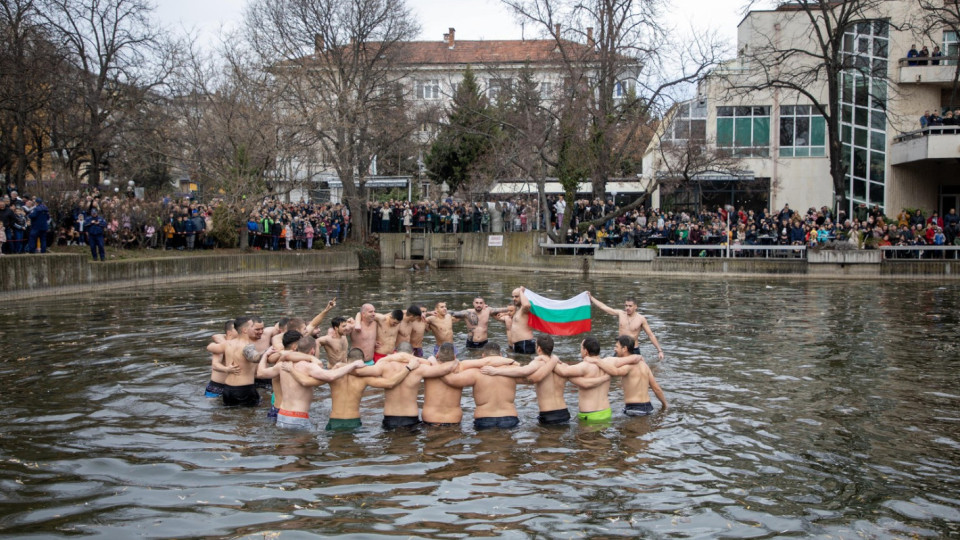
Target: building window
x=428, y=89
x=951, y=47
x=689, y=122
x=802, y=132
x=863, y=117
x=496, y=86
x=745, y=131
x=546, y=90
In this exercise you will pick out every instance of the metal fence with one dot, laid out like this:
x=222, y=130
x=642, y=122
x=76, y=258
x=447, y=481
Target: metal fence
x=732, y=251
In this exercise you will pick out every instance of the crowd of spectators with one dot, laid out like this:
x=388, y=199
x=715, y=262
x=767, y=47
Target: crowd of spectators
x=119, y=221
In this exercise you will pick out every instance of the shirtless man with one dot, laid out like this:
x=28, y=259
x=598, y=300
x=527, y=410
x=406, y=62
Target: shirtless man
x=388, y=327
x=494, y=396
x=522, y=334
x=219, y=370
x=347, y=391
x=507, y=320
x=313, y=326
x=478, y=322
x=440, y=323
x=335, y=341
x=547, y=383
x=283, y=342
x=593, y=384
x=400, y=408
x=266, y=341
x=241, y=352
x=412, y=328
x=441, y=402
x=364, y=336
x=630, y=323
x=637, y=379
x=295, y=410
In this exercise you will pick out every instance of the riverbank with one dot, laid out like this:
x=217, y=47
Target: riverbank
x=521, y=251
x=62, y=273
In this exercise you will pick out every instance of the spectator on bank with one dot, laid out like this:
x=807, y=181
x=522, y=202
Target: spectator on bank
x=96, y=226
x=39, y=217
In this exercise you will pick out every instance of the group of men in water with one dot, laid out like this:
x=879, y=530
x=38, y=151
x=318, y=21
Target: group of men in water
x=386, y=351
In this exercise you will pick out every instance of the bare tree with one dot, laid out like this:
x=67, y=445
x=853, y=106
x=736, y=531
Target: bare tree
x=936, y=17
x=627, y=69
x=811, y=65
x=340, y=68
x=30, y=76
x=119, y=56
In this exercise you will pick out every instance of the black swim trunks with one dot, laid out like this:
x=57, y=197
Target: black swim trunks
x=213, y=389
x=476, y=344
x=499, y=422
x=638, y=409
x=242, y=396
x=635, y=349
x=559, y=416
x=442, y=424
x=266, y=384
x=527, y=346
x=393, y=422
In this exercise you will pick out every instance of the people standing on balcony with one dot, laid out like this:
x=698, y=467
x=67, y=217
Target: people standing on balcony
x=925, y=120
x=937, y=53
x=924, y=53
x=912, y=53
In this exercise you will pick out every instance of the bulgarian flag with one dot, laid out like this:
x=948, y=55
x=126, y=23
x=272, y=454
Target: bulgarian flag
x=559, y=317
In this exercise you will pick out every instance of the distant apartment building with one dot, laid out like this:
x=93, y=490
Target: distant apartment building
x=780, y=140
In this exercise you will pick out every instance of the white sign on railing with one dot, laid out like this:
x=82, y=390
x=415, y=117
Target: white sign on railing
x=495, y=240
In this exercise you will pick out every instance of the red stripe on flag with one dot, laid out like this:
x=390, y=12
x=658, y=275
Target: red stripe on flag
x=558, y=329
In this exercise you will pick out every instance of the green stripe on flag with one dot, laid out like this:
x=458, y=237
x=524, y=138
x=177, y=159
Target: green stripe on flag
x=561, y=315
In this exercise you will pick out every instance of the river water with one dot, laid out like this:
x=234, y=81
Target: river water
x=825, y=409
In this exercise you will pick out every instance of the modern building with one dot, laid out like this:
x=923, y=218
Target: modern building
x=778, y=139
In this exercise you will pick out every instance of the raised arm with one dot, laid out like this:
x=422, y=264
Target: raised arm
x=603, y=307
x=315, y=322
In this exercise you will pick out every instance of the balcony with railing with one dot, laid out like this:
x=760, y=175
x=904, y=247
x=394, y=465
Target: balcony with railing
x=933, y=70
x=929, y=143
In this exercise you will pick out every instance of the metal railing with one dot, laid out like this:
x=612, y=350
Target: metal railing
x=575, y=247
x=928, y=61
x=929, y=130
x=920, y=252
x=732, y=251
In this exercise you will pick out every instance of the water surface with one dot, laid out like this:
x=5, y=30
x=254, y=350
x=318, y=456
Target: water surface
x=827, y=409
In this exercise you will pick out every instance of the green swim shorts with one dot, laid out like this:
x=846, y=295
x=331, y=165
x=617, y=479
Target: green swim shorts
x=596, y=416
x=343, y=424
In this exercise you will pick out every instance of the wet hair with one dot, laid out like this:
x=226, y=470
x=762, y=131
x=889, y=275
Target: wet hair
x=397, y=314
x=490, y=349
x=405, y=347
x=290, y=337
x=545, y=343
x=296, y=323
x=415, y=311
x=337, y=321
x=240, y=322
x=355, y=354
x=306, y=343
x=625, y=341
x=446, y=353
x=591, y=345
x=228, y=326
x=282, y=322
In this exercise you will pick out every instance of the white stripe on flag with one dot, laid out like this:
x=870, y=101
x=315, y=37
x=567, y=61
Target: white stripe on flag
x=581, y=299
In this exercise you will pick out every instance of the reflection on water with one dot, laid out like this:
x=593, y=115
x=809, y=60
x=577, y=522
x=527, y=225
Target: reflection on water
x=797, y=409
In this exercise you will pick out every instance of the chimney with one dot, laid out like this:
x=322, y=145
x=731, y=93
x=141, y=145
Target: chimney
x=556, y=28
x=317, y=44
x=590, y=42
x=449, y=36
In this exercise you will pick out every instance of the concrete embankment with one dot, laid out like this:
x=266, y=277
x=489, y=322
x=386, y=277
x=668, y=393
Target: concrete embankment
x=521, y=251
x=42, y=275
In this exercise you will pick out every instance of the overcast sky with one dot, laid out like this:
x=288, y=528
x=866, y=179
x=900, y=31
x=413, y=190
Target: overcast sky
x=473, y=19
